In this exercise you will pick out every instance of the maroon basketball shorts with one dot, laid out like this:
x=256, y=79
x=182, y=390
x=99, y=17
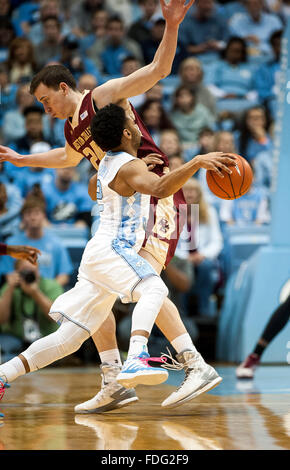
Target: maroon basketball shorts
x=166, y=220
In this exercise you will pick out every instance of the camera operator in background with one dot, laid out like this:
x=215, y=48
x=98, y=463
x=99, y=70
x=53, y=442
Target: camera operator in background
x=25, y=300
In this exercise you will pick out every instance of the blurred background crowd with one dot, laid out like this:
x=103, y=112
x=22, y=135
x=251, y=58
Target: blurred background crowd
x=222, y=95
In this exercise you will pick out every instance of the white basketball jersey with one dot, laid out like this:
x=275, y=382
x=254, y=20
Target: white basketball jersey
x=122, y=218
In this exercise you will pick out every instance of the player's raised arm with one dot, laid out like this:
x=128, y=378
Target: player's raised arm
x=145, y=78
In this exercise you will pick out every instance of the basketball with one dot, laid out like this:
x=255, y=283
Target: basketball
x=231, y=186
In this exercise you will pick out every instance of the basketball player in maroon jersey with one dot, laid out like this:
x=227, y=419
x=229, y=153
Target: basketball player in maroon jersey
x=56, y=89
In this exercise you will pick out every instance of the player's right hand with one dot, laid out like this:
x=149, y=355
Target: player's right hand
x=9, y=155
x=217, y=161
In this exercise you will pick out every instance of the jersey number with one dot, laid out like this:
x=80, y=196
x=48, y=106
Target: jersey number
x=95, y=154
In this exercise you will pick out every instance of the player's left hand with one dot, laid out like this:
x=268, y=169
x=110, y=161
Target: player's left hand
x=28, y=253
x=174, y=11
x=152, y=160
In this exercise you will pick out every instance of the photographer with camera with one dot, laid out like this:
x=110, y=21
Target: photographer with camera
x=25, y=301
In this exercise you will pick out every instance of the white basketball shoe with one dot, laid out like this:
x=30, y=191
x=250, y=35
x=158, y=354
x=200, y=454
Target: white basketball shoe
x=200, y=377
x=111, y=396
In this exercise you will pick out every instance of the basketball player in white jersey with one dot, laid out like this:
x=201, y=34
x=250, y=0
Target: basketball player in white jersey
x=61, y=99
x=111, y=267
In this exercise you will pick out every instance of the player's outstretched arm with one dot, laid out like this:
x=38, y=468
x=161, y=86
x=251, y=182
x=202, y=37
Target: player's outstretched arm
x=56, y=158
x=28, y=253
x=146, y=77
x=136, y=175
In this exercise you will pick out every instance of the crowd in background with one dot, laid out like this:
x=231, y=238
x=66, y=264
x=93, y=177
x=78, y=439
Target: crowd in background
x=222, y=95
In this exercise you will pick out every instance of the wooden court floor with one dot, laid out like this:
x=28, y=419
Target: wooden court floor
x=39, y=415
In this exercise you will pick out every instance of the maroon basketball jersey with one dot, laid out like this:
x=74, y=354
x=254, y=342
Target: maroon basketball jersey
x=78, y=132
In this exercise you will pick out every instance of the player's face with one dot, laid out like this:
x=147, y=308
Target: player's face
x=55, y=102
x=135, y=132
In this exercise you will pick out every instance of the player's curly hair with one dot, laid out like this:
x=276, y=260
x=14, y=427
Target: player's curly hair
x=107, y=126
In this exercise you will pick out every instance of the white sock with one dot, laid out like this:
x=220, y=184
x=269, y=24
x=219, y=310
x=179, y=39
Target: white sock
x=111, y=356
x=137, y=345
x=183, y=342
x=12, y=369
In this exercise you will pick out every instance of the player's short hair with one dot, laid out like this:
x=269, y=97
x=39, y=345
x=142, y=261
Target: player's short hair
x=107, y=127
x=33, y=202
x=51, y=76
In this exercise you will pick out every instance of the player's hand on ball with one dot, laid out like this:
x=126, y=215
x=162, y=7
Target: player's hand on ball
x=217, y=161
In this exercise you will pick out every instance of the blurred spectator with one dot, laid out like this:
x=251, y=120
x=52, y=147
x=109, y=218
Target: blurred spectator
x=87, y=81
x=254, y=136
x=8, y=92
x=32, y=176
x=155, y=93
x=21, y=61
x=191, y=75
x=129, y=65
x=203, y=31
x=34, y=130
x=224, y=141
x=125, y=9
x=263, y=166
x=25, y=301
x=48, y=8
x=25, y=15
x=252, y=208
x=188, y=116
x=77, y=63
x=209, y=243
x=268, y=75
x=10, y=206
x=7, y=34
x=228, y=9
x=81, y=15
x=50, y=46
x=170, y=143
x=109, y=52
x=175, y=161
x=5, y=8
x=14, y=120
x=54, y=262
x=67, y=201
x=280, y=7
x=140, y=31
x=155, y=118
x=205, y=144
x=150, y=46
x=99, y=22
x=233, y=79
x=256, y=27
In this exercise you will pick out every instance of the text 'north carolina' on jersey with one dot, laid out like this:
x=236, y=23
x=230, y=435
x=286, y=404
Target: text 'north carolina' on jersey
x=123, y=219
x=78, y=131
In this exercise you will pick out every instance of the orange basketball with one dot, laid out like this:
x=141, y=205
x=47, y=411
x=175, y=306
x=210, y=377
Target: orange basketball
x=234, y=185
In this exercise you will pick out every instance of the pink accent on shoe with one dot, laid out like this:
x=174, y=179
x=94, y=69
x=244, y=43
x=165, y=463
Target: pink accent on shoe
x=2, y=389
x=145, y=360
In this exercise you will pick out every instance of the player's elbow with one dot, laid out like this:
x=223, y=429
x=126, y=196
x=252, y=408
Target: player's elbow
x=160, y=192
x=162, y=70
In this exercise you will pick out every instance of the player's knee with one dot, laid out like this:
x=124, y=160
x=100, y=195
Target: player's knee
x=152, y=286
x=69, y=344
